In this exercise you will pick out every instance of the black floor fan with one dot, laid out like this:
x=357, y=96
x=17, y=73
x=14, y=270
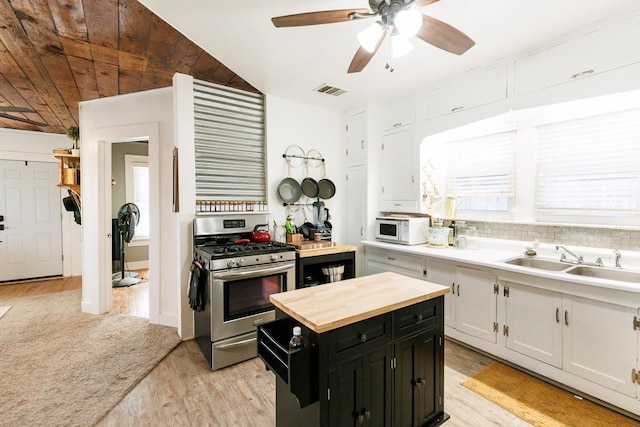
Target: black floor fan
x=128, y=219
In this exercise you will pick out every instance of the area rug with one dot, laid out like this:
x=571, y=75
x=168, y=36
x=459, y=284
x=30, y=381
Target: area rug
x=62, y=367
x=540, y=403
x=3, y=310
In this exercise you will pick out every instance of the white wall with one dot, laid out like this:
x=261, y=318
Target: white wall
x=130, y=117
x=310, y=127
x=38, y=147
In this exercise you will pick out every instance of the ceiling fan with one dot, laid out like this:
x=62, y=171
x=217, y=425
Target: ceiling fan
x=398, y=18
x=8, y=109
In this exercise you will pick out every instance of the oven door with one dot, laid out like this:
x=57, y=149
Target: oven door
x=240, y=297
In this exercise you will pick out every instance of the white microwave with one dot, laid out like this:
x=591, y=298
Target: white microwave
x=406, y=231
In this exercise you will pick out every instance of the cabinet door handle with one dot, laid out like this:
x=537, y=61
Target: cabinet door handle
x=419, y=383
x=367, y=414
x=458, y=290
x=362, y=143
x=391, y=258
x=363, y=337
x=453, y=288
x=360, y=419
x=566, y=318
x=557, y=315
x=582, y=73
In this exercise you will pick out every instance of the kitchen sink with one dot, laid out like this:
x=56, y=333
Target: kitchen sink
x=606, y=273
x=540, y=264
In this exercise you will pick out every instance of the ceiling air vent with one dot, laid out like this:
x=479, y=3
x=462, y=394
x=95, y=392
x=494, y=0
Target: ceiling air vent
x=330, y=90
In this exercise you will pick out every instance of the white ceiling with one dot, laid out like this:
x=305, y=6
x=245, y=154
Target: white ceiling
x=291, y=62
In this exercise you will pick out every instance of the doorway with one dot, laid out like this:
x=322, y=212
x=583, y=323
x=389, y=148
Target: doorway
x=130, y=259
x=30, y=220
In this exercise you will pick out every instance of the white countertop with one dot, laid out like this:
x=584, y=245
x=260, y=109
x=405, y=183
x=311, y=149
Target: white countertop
x=492, y=253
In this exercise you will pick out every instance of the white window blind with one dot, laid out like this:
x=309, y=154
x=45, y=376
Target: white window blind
x=482, y=166
x=229, y=144
x=589, y=169
x=137, y=190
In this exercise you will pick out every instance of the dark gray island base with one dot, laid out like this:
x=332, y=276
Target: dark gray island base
x=385, y=370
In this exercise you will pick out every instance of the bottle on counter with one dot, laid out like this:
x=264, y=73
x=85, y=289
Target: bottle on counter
x=296, y=341
x=452, y=233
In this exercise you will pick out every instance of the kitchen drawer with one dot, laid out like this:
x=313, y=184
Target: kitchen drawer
x=297, y=368
x=415, y=318
x=409, y=263
x=356, y=339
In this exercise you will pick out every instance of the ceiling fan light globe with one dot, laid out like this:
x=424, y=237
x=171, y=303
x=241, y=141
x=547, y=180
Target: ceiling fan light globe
x=408, y=22
x=400, y=46
x=369, y=37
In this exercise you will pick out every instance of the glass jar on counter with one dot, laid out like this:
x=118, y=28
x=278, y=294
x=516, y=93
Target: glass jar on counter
x=472, y=238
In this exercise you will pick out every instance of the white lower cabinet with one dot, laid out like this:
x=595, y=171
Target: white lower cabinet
x=533, y=322
x=380, y=260
x=600, y=342
x=589, y=338
x=475, y=303
x=444, y=274
x=585, y=337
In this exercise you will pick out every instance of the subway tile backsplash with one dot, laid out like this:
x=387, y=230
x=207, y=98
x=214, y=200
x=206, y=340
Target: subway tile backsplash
x=561, y=235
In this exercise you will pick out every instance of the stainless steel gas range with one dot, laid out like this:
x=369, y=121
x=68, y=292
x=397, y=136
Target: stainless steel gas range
x=241, y=276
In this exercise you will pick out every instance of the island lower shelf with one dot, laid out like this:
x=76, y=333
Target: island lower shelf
x=360, y=370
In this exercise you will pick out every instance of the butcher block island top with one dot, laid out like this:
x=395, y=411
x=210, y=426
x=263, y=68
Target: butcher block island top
x=334, y=305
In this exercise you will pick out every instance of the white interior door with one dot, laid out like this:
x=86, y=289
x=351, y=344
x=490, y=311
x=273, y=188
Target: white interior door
x=31, y=242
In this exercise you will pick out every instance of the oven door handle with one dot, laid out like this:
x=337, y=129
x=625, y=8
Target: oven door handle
x=236, y=344
x=254, y=272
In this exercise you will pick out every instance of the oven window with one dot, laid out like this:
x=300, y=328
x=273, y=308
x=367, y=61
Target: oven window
x=388, y=229
x=251, y=296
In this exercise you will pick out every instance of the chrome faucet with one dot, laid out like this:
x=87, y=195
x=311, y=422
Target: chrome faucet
x=618, y=256
x=563, y=257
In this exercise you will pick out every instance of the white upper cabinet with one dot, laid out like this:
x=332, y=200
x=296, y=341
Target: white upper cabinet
x=399, y=172
x=579, y=58
x=398, y=114
x=356, y=139
x=480, y=88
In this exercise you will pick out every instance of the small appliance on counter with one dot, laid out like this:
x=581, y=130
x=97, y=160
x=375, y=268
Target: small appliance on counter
x=403, y=229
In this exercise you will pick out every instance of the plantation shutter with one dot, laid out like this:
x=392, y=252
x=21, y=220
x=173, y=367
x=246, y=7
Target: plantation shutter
x=589, y=167
x=141, y=198
x=229, y=144
x=482, y=166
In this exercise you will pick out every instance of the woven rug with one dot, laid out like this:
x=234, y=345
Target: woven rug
x=62, y=367
x=540, y=403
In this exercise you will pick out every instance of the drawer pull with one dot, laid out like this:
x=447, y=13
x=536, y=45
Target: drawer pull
x=419, y=383
x=454, y=109
x=418, y=318
x=391, y=258
x=363, y=337
x=583, y=73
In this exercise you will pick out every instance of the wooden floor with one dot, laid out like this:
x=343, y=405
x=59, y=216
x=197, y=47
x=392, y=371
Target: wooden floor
x=132, y=300
x=183, y=391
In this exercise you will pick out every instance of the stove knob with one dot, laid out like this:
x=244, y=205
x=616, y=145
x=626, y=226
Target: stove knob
x=231, y=263
x=273, y=257
x=240, y=262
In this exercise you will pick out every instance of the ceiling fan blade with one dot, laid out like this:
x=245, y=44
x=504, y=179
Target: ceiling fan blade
x=444, y=36
x=421, y=3
x=362, y=56
x=20, y=119
x=316, y=18
x=16, y=109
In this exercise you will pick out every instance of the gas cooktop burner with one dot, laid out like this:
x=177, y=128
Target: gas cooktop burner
x=232, y=249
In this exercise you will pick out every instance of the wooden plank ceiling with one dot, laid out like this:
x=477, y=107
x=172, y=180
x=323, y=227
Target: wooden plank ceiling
x=55, y=53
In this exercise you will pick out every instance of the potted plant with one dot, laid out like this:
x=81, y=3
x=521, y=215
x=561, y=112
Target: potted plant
x=73, y=132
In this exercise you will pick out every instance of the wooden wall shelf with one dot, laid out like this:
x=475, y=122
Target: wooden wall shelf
x=69, y=171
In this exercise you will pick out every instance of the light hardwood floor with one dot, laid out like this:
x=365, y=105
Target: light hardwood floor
x=182, y=390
